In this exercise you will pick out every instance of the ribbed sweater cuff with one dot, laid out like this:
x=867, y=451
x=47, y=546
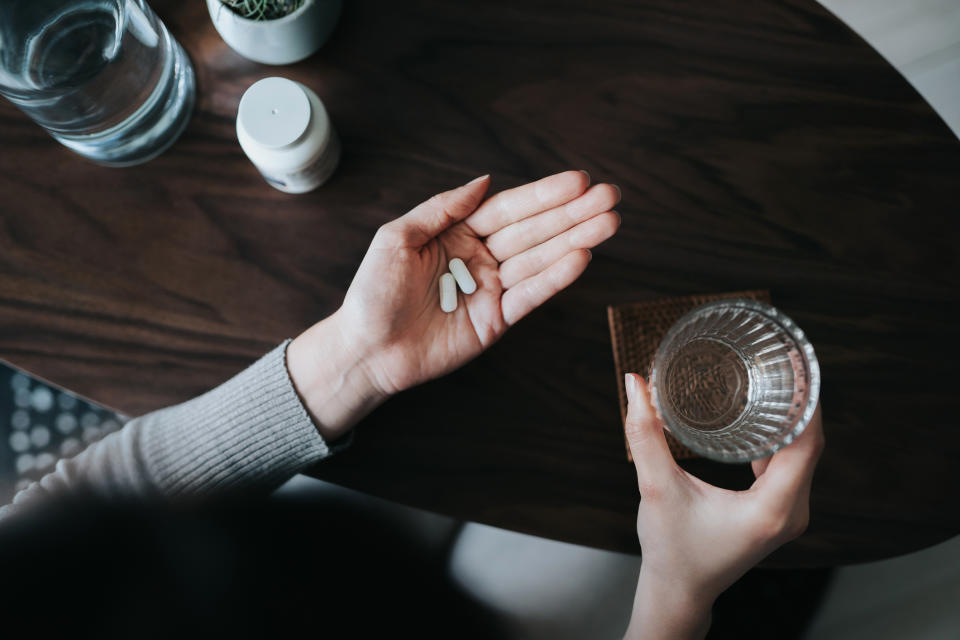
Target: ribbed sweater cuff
x=251, y=430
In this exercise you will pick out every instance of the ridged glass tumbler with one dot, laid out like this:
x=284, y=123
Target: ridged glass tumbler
x=735, y=380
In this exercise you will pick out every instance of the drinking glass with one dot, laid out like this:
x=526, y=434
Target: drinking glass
x=104, y=77
x=735, y=380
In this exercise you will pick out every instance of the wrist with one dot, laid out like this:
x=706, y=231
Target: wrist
x=332, y=378
x=668, y=609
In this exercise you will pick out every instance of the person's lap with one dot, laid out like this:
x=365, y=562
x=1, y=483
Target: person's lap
x=240, y=568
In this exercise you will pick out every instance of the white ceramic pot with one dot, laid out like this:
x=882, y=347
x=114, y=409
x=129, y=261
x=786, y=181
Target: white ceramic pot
x=281, y=41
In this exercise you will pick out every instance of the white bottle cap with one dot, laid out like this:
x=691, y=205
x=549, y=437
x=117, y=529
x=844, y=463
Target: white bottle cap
x=274, y=112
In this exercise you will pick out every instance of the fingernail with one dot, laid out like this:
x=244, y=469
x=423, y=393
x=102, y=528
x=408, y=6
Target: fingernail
x=619, y=193
x=630, y=382
x=586, y=174
x=589, y=255
x=475, y=180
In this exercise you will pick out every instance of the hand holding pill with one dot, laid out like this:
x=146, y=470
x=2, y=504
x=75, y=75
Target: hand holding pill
x=443, y=282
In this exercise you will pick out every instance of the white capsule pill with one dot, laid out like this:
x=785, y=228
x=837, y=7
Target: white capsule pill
x=459, y=270
x=448, y=293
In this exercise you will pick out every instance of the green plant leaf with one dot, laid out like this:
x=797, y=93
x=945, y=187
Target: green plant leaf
x=262, y=9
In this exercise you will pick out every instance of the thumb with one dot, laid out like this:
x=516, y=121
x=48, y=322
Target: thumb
x=648, y=446
x=440, y=212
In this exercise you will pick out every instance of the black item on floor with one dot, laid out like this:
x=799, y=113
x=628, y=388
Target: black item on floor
x=770, y=603
x=245, y=568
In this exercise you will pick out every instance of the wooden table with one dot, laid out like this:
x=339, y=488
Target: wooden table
x=757, y=146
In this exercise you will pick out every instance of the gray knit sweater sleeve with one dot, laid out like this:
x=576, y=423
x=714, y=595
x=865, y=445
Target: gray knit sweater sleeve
x=250, y=431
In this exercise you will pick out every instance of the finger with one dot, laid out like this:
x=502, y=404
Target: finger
x=585, y=235
x=529, y=232
x=529, y=294
x=648, y=446
x=790, y=470
x=522, y=202
x=759, y=466
x=439, y=213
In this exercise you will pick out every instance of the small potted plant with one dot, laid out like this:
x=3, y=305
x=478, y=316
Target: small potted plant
x=274, y=31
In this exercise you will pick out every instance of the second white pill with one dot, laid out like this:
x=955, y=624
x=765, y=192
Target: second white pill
x=462, y=275
x=448, y=293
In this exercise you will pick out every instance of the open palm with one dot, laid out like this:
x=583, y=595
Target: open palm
x=522, y=246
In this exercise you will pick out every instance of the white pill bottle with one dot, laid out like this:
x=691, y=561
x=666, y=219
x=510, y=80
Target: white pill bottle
x=284, y=129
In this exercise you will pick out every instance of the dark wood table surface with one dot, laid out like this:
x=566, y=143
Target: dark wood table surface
x=758, y=145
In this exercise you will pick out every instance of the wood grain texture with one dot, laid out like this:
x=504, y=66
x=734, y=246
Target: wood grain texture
x=758, y=145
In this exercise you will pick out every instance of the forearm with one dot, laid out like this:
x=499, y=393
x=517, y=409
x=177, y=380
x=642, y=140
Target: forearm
x=663, y=610
x=250, y=431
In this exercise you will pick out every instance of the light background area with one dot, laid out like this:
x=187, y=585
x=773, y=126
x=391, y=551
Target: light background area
x=921, y=38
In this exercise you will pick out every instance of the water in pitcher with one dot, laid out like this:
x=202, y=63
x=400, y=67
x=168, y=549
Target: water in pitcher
x=104, y=77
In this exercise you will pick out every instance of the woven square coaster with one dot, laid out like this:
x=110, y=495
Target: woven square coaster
x=636, y=330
